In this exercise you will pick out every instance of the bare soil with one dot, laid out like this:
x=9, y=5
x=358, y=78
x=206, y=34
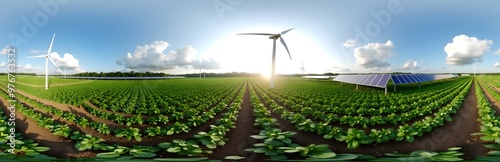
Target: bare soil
x=239, y=137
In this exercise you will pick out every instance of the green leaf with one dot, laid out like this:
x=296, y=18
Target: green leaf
x=108, y=155
x=41, y=149
x=181, y=159
x=234, y=158
x=324, y=155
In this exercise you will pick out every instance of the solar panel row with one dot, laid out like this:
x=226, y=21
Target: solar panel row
x=380, y=80
x=411, y=78
x=374, y=80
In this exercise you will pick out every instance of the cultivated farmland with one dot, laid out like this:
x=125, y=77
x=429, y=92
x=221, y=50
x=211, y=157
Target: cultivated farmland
x=241, y=118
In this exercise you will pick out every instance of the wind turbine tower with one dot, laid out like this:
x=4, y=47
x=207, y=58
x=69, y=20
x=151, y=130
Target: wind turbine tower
x=274, y=37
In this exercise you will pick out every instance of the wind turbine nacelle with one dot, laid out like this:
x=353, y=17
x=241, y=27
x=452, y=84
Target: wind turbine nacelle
x=275, y=36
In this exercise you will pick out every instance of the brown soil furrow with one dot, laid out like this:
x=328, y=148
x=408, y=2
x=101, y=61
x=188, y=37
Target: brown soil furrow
x=239, y=137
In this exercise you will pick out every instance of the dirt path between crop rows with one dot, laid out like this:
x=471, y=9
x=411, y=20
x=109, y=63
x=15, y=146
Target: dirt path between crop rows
x=456, y=133
x=53, y=85
x=59, y=146
x=239, y=137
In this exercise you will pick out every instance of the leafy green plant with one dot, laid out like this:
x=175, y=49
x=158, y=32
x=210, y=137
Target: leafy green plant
x=154, y=131
x=85, y=142
x=451, y=154
x=406, y=132
x=210, y=140
x=129, y=133
x=178, y=128
x=272, y=140
x=312, y=151
x=355, y=137
x=61, y=130
x=182, y=147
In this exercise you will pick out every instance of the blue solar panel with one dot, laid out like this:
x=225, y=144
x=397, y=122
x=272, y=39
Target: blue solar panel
x=401, y=79
x=383, y=80
x=376, y=79
x=395, y=79
x=407, y=78
x=363, y=79
x=419, y=79
x=369, y=80
x=357, y=79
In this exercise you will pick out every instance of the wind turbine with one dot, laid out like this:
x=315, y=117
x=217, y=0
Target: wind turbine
x=200, y=70
x=47, y=58
x=274, y=37
x=302, y=68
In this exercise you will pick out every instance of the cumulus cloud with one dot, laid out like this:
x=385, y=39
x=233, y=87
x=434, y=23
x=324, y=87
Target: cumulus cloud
x=466, y=50
x=28, y=67
x=497, y=64
x=409, y=64
x=374, y=55
x=2, y=65
x=5, y=50
x=350, y=43
x=67, y=63
x=497, y=52
x=152, y=57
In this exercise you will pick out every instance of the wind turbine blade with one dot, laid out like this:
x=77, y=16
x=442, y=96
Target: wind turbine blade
x=256, y=34
x=53, y=62
x=38, y=56
x=286, y=31
x=284, y=44
x=51, y=42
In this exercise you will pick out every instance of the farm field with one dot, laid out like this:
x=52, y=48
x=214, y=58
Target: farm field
x=242, y=119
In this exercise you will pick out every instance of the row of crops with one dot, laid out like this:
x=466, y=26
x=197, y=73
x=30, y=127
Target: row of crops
x=164, y=111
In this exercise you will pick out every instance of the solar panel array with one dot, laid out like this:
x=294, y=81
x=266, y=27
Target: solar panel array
x=374, y=80
x=380, y=80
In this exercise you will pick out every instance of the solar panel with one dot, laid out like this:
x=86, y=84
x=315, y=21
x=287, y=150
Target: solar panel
x=376, y=79
x=369, y=80
x=383, y=80
x=363, y=79
x=380, y=80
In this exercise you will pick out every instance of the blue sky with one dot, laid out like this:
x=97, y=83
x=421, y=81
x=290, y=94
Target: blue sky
x=180, y=36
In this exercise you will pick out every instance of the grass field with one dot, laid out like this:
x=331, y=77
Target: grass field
x=241, y=118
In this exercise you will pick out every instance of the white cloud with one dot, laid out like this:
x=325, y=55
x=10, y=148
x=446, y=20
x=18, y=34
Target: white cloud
x=152, y=57
x=497, y=52
x=409, y=64
x=374, y=54
x=350, y=43
x=68, y=63
x=497, y=64
x=466, y=50
x=2, y=65
x=27, y=67
x=5, y=50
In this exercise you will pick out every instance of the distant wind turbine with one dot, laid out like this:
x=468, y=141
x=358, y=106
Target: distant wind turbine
x=47, y=58
x=302, y=68
x=274, y=37
x=200, y=70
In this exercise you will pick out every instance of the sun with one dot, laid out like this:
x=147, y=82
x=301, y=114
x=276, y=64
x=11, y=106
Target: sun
x=249, y=53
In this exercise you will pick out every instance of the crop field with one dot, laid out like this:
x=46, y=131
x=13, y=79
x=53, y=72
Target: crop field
x=242, y=119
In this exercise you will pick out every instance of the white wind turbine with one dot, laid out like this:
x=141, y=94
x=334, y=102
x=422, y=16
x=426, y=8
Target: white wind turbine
x=274, y=37
x=302, y=68
x=47, y=58
x=200, y=71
